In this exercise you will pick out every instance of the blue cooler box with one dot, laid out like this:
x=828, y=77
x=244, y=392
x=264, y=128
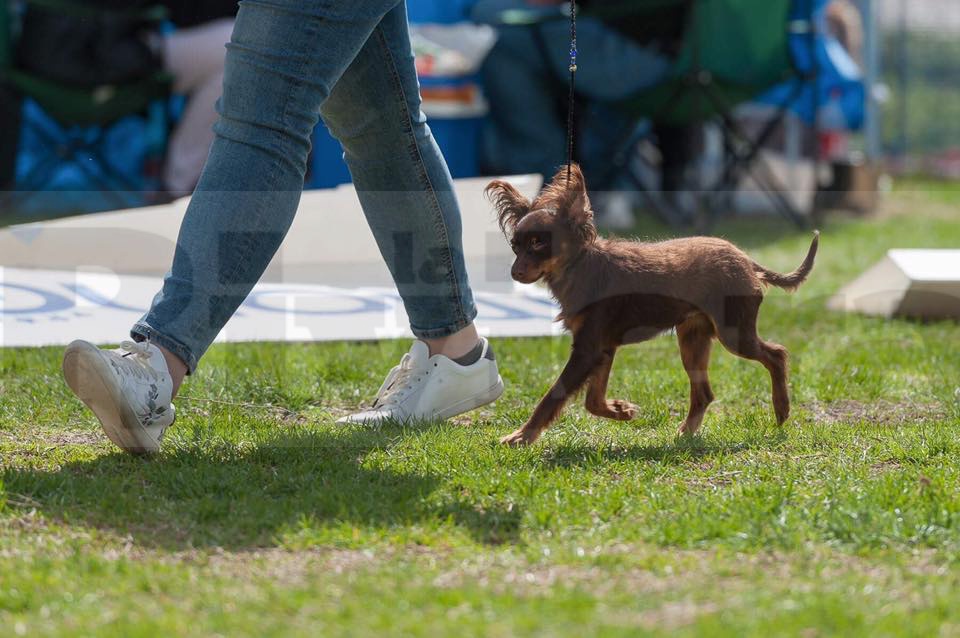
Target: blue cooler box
x=459, y=139
x=455, y=111
x=438, y=11
x=327, y=168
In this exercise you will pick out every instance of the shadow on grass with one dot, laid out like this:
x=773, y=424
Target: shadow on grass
x=679, y=451
x=240, y=496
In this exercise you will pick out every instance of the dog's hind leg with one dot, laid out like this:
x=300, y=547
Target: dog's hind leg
x=596, y=401
x=695, y=336
x=739, y=336
x=773, y=356
x=775, y=360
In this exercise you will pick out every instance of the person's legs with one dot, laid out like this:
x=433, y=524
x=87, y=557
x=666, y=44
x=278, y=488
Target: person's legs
x=408, y=199
x=679, y=145
x=282, y=63
x=610, y=65
x=403, y=183
x=525, y=80
x=195, y=58
x=524, y=132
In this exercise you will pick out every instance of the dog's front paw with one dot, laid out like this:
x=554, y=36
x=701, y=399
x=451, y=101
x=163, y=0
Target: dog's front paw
x=622, y=410
x=520, y=438
x=688, y=429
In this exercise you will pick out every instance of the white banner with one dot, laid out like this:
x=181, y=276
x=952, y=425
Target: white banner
x=44, y=307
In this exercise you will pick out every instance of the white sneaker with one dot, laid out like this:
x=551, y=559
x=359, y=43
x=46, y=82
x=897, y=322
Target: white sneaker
x=128, y=390
x=425, y=387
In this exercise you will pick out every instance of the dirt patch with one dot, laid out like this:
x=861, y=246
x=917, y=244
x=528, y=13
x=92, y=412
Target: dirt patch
x=876, y=412
x=888, y=465
x=719, y=479
x=674, y=615
x=55, y=437
x=206, y=407
x=676, y=583
x=526, y=579
x=90, y=437
x=289, y=568
x=905, y=203
x=29, y=533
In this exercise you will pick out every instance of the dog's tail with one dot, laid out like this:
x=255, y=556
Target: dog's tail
x=793, y=280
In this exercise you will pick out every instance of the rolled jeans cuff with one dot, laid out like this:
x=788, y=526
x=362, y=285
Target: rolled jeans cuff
x=141, y=331
x=468, y=317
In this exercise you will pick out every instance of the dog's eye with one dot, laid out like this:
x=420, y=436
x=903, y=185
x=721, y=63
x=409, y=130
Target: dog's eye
x=536, y=243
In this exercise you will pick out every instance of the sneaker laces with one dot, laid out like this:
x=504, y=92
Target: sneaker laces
x=398, y=383
x=135, y=359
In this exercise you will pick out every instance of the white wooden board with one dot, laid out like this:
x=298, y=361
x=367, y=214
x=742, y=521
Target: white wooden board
x=923, y=284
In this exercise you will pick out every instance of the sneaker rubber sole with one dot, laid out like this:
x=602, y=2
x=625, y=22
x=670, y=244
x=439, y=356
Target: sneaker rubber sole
x=90, y=378
x=489, y=395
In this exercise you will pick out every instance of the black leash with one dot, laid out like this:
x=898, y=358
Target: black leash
x=573, y=76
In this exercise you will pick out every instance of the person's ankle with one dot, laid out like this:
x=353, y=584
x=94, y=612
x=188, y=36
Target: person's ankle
x=177, y=369
x=456, y=345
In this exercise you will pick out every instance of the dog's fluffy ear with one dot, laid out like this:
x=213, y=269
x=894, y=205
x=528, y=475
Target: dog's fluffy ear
x=568, y=195
x=510, y=204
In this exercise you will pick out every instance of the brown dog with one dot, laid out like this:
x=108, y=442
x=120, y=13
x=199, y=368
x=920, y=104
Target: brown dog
x=613, y=292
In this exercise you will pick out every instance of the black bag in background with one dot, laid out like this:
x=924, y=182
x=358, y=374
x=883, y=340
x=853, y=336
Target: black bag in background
x=10, y=114
x=87, y=49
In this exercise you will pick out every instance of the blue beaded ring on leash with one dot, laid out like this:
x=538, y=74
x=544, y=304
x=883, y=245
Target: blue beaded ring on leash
x=573, y=75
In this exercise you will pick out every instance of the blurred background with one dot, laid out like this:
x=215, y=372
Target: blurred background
x=687, y=111
x=920, y=51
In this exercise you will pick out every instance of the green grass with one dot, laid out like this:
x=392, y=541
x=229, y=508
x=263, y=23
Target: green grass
x=261, y=517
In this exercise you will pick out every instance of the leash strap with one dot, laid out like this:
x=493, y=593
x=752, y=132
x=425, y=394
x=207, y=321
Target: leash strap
x=571, y=105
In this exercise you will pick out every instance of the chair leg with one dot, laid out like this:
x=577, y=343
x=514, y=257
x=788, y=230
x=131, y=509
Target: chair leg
x=664, y=210
x=762, y=174
x=740, y=162
x=774, y=189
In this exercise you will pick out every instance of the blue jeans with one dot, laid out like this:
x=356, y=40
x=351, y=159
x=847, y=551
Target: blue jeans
x=288, y=63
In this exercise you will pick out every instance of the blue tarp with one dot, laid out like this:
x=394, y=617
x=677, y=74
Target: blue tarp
x=71, y=184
